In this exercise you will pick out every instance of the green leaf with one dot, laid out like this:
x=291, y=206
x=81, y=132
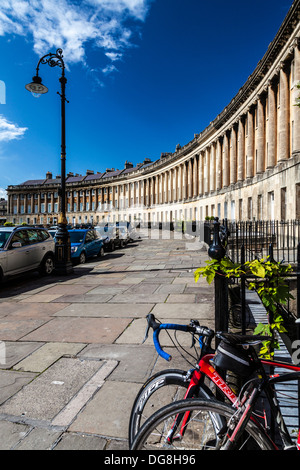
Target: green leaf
x=258, y=270
x=210, y=277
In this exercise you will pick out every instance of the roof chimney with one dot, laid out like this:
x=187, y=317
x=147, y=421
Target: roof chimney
x=49, y=175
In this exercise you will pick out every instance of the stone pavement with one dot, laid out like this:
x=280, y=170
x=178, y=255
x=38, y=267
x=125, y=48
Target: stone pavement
x=71, y=358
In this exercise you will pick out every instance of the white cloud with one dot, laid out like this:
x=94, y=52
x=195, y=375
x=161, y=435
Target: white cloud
x=109, y=69
x=3, y=194
x=10, y=131
x=71, y=24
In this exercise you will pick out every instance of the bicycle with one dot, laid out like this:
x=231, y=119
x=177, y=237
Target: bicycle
x=207, y=424
x=180, y=384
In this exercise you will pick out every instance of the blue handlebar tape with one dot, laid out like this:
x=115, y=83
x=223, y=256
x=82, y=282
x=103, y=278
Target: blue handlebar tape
x=165, y=326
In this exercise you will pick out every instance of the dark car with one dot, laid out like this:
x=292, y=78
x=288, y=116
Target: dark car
x=85, y=244
x=112, y=236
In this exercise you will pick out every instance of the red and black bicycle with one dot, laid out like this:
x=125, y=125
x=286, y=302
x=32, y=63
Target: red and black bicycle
x=192, y=418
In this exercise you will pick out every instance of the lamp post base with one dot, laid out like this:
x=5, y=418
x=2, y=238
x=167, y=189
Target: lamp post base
x=63, y=264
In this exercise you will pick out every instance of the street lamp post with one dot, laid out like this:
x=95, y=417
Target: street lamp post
x=63, y=263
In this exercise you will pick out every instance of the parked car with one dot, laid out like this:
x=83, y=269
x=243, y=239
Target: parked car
x=112, y=236
x=124, y=234
x=25, y=249
x=85, y=244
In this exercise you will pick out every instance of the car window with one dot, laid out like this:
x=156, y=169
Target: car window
x=89, y=237
x=76, y=237
x=44, y=234
x=34, y=236
x=4, y=236
x=20, y=236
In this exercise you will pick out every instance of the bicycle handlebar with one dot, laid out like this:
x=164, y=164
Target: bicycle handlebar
x=193, y=327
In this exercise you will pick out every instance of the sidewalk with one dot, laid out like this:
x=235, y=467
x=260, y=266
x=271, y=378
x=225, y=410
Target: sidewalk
x=71, y=358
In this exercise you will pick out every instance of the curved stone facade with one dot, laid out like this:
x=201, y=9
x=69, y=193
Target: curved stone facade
x=244, y=165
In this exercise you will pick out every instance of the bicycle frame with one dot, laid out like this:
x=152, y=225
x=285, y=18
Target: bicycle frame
x=205, y=369
x=245, y=410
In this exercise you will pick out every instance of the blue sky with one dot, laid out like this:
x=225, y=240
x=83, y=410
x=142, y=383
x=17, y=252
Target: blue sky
x=143, y=76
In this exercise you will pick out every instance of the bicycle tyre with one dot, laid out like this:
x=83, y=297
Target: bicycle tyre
x=201, y=432
x=153, y=395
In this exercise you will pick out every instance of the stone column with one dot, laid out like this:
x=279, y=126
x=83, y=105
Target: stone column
x=175, y=180
x=272, y=124
x=233, y=156
x=184, y=181
x=225, y=167
x=200, y=172
x=241, y=150
x=170, y=186
x=179, y=183
x=212, y=182
x=190, y=179
x=296, y=94
x=167, y=185
x=219, y=164
x=283, y=117
x=206, y=167
x=250, y=144
x=261, y=134
x=195, y=176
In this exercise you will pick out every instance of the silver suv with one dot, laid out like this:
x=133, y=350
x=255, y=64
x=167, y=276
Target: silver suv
x=25, y=249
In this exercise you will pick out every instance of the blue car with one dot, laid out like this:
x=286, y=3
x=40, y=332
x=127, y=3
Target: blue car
x=85, y=243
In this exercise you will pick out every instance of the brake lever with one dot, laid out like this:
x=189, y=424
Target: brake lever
x=146, y=333
x=150, y=323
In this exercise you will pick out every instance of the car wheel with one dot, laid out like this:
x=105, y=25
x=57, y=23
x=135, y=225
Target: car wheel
x=112, y=246
x=47, y=266
x=82, y=258
x=121, y=244
x=101, y=252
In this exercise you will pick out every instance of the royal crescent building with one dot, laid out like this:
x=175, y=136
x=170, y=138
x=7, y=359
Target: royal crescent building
x=244, y=165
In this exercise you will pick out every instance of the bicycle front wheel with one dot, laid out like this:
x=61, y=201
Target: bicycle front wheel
x=161, y=389
x=201, y=427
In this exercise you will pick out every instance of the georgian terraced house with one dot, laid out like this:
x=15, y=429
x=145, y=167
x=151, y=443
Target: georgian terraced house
x=244, y=165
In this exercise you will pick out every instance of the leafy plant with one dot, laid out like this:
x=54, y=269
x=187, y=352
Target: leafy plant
x=268, y=279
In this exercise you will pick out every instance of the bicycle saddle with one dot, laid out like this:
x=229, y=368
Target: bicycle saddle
x=240, y=340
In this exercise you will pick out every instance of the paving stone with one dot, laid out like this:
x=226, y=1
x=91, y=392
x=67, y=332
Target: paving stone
x=84, y=298
x=106, y=310
x=135, y=361
x=11, y=434
x=47, y=355
x=31, y=310
x=50, y=392
x=39, y=439
x=139, y=298
x=70, y=441
x=41, y=298
x=201, y=311
x=181, y=298
x=107, y=414
x=13, y=328
x=107, y=290
x=11, y=382
x=80, y=330
x=13, y=352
